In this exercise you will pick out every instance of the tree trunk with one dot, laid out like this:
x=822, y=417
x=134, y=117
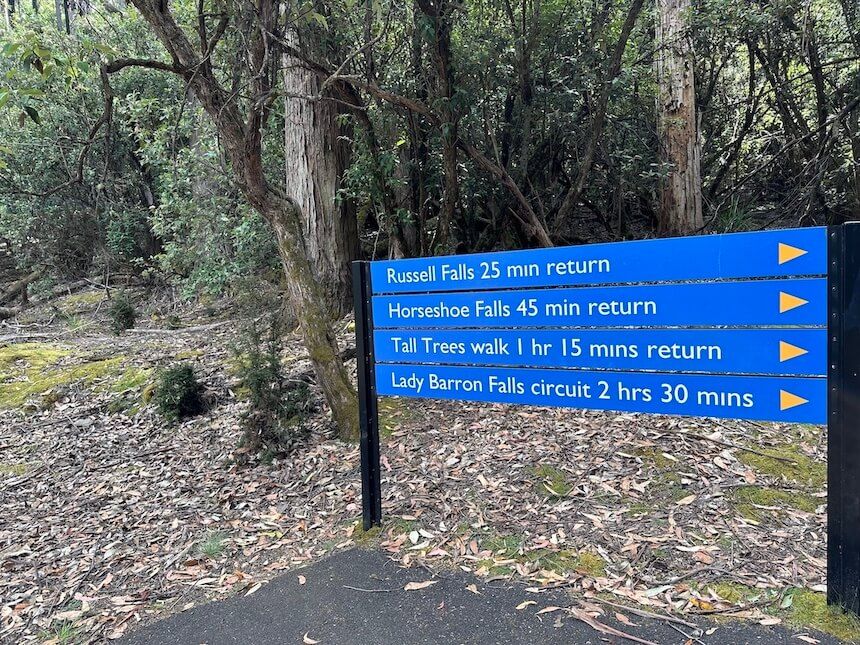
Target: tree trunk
x=306, y=298
x=241, y=136
x=681, y=191
x=316, y=154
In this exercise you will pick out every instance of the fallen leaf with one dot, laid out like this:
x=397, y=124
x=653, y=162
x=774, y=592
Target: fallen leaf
x=302, y=580
x=415, y=586
x=770, y=621
x=704, y=557
x=307, y=640
x=525, y=604
x=474, y=589
x=807, y=639
x=547, y=610
x=687, y=500
x=622, y=618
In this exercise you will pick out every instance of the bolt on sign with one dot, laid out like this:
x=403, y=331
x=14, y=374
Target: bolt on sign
x=762, y=326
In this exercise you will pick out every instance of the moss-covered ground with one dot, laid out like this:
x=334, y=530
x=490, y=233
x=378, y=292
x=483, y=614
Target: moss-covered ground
x=37, y=372
x=800, y=608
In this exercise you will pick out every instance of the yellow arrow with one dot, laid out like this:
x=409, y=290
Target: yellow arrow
x=787, y=253
x=787, y=400
x=787, y=351
x=787, y=302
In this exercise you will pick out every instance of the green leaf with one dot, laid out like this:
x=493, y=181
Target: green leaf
x=4, y=97
x=33, y=113
x=320, y=20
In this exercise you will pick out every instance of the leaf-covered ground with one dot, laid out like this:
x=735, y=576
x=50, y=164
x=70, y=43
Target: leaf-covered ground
x=111, y=516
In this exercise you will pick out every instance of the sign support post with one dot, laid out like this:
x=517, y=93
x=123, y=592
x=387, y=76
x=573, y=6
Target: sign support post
x=843, y=438
x=368, y=411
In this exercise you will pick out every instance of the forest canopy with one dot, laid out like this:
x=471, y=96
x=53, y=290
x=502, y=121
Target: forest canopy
x=193, y=144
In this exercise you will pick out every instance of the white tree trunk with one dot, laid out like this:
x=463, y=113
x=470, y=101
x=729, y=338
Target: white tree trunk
x=316, y=155
x=681, y=191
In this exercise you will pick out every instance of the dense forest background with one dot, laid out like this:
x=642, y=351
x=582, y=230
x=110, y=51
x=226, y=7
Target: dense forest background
x=196, y=144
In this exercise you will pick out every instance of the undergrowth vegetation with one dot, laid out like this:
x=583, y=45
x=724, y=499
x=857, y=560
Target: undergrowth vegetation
x=278, y=406
x=178, y=393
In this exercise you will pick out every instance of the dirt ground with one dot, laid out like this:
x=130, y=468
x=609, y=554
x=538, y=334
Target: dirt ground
x=112, y=516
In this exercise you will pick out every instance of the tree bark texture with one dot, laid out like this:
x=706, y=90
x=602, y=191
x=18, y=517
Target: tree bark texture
x=681, y=190
x=241, y=135
x=316, y=154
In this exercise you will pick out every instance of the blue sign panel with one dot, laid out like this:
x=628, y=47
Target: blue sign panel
x=763, y=398
x=783, y=253
x=738, y=351
x=759, y=303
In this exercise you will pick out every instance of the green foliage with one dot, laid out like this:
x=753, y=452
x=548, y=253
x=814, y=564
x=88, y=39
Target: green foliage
x=178, y=393
x=278, y=407
x=122, y=313
x=213, y=545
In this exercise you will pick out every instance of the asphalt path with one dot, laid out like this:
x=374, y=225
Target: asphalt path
x=358, y=597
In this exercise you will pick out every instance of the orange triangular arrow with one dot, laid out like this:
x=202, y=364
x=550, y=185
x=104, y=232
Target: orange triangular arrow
x=787, y=351
x=787, y=302
x=787, y=400
x=787, y=253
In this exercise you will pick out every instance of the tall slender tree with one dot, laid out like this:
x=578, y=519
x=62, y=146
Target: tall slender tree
x=680, y=210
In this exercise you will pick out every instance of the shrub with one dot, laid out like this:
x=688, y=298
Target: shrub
x=178, y=393
x=278, y=407
x=122, y=313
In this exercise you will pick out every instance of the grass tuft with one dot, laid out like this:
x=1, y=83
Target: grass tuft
x=213, y=545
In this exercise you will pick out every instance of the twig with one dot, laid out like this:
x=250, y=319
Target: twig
x=606, y=629
x=689, y=637
x=647, y=614
x=732, y=444
x=368, y=590
x=126, y=460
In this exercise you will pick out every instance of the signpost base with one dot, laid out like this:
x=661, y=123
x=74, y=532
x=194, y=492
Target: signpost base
x=368, y=411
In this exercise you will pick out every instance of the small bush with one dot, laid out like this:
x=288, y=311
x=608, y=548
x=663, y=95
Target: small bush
x=122, y=313
x=279, y=407
x=177, y=394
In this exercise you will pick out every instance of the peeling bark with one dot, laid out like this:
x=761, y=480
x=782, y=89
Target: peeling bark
x=681, y=191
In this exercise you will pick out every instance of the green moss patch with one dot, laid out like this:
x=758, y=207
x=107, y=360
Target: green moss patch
x=656, y=458
x=80, y=302
x=367, y=538
x=133, y=378
x=786, y=460
x=392, y=413
x=810, y=609
x=800, y=608
x=511, y=547
x=552, y=482
x=33, y=370
x=590, y=564
x=13, y=470
x=747, y=499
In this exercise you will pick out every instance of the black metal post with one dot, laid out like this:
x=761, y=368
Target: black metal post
x=368, y=410
x=843, y=439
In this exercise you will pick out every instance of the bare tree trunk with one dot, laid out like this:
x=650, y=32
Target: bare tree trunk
x=316, y=155
x=306, y=298
x=681, y=191
x=439, y=13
